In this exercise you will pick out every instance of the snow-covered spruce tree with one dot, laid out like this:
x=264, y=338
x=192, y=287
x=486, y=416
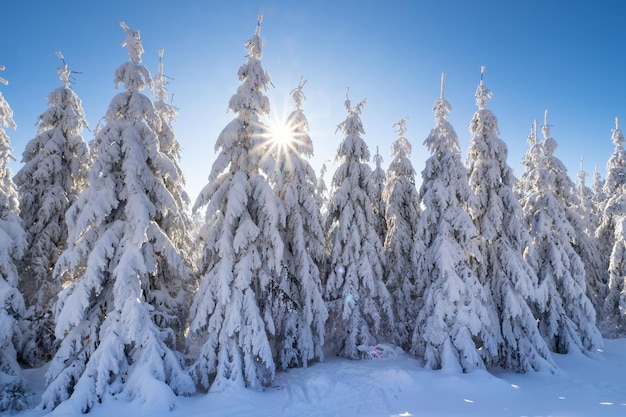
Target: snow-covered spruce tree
x=612, y=235
x=401, y=198
x=584, y=243
x=168, y=291
x=503, y=239
x=588, y=247
x=54, y=173
x=231, y=313
x=566, y=315
x=111, y=344
x=12, y=245
x=360, y=306
x=300, y=311
x=379, y=179
x=452, y=322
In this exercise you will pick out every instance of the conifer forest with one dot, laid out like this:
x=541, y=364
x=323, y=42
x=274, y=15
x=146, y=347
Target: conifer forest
x=121, y=284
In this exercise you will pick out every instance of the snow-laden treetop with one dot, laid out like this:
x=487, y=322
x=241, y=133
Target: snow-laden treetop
x=549, y=144
x=133, y=42
x=133, y=75
x=298, y=95
x=442, y=107
x=617, y=136
x=160, y=80
x=6, y=114
x=64, y=71
x=483, y=94
x=255, y=45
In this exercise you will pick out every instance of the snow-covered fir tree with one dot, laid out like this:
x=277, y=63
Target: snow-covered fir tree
x=360, y=306
x=584, y=243
x=54, y=173
x=231, y=313
x=379, y=179
x=452, y=321
x=169, y=290
x=587, y=246
x=565, y=314
x=111, y=343
x=403, y=210
x=612, y=235
x=503, y=239
x=300, y=311
x=12, y=245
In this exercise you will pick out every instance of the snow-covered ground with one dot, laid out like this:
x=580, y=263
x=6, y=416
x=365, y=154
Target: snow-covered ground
x=589, y=386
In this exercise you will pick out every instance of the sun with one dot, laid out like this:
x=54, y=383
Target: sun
x=281, y=136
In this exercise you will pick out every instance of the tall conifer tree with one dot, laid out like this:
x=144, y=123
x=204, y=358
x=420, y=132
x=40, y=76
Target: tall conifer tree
x=503, y=239
x=300, y=310
x=452, y=321
x=232, y=315
x=402, y=201
x=360, y=306
x=12, y=245
x=54, y=173
x=112, y=344
x=565, y=314
x=169, y=290
x=612, y=234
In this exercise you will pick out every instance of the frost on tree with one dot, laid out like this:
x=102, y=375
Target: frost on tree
x=299, y=310
x=169, y=289
x=452, y=321
x=379, y=179
x=360, y=306
x=231, y=313
x=503, y=239
x=53, y=174
x=111, y=343
x=12, y=245
x=402, y=202
x=565, y=314
x=612, y=235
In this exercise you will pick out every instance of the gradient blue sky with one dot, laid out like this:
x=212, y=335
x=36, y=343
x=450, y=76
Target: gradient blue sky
x=566, y=56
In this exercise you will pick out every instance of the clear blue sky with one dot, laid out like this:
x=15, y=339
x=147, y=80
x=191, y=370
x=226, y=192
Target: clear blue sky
x=567, y=56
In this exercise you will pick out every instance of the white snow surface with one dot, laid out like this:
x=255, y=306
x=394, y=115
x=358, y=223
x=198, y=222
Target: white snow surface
x=397, y=385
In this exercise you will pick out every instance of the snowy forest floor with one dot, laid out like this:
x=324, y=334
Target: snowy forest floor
x=585, y=385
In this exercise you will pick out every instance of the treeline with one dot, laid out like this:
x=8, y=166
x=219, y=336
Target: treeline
x=106, y=277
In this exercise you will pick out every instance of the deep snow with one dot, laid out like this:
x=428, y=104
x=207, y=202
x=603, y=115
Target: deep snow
x=585, y=385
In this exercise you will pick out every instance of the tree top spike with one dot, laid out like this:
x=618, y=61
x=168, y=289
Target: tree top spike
x=161, y=61
x=545, y=117
x=482, y=72
x=616, y=122
x=443, y=83
x=259, y=20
